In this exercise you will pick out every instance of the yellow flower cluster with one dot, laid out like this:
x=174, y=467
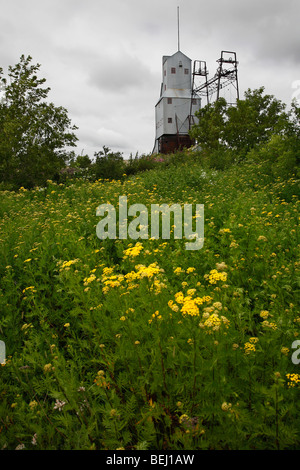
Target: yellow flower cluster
x=134, y=251
x=226, y=406
x=107, y=271
x=183, y=418
x=178, y=270
x=89, y=279
x=147, y=271
x=155, y=315
x=293, y=379
x=30, y=288
x=285, y=351
x=262, y=238
x=189, y=305
x=214, y=276
x=212, y=321
x=66, y=264
x=250, y=345
x=190, y=270
x=264, y=314
x=32, y=405
x=110, y=280
x=130, y=280
x=48, y=368
x=270, y=325
x=173, y=306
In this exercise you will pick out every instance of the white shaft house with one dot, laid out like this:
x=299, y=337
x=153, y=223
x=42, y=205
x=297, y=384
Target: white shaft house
x=176, y=106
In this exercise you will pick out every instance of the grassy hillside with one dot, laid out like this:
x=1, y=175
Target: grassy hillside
x=141, y=344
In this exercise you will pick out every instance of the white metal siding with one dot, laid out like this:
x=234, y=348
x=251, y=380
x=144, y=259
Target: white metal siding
x=178, y=87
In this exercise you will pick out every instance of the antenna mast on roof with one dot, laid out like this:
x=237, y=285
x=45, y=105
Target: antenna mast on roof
x=178, y=27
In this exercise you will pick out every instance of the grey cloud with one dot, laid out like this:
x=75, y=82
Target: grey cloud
x=119, y=72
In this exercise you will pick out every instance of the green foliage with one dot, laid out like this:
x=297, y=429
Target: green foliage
x=83, y=162
x=209, y=132
x=34, y=134
x=229, y=134
x=108, y=165
x=280, y=156
x=99, y=353
x=141, y=163
x=253, y=121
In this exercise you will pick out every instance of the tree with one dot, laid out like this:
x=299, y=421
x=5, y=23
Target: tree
x=108, y=164
x=254, y=120
x=83, y=162
x=34, y=134
x=242, y=127
x=211, y=125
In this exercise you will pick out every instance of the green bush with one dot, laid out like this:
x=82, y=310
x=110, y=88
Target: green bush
x=108, y=165
x=140, y=163
x=278, y=157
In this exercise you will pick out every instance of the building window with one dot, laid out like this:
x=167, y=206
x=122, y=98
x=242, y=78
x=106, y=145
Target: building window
x=186, y=71
x=165, y=72
x=169, y=100
x=194, y=101
x=169, y=120
x=173, y=70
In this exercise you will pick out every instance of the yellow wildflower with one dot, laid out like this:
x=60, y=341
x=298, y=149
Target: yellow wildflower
x=28, y=288
x=67, y=264
x=264, y=314
x=293, y=379
x=190, y=270
x=262, y=238
x=48, y=367
x=134, y=251
x=226, y=406
x=89, y=279
x=285, y=351
x=183, y=418
x=189, y=307
x=249, y=348
x=178, y=271
x=215, y=276
x=270, y=325
x=32, y=404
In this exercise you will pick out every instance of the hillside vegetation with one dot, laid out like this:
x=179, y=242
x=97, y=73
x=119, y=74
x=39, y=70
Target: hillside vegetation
x=141, y=344
x=135, y=344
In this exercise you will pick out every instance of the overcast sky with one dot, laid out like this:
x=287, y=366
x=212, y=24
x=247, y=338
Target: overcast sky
x=102, y=59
